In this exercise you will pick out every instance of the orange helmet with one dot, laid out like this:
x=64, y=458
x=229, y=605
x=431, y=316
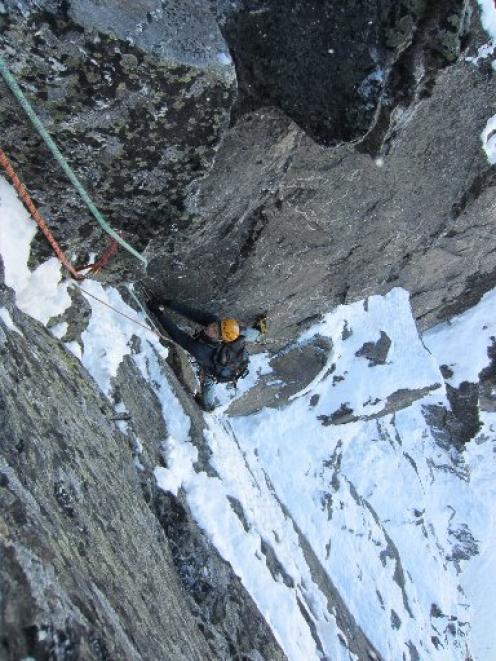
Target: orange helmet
x=228, y=329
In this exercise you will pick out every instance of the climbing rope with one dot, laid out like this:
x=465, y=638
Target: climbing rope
x=24, y=196
x=29, y=204
x=123, y=314
x=143, y=310
x=17, y=92
x=97, y=266
x=94, y=268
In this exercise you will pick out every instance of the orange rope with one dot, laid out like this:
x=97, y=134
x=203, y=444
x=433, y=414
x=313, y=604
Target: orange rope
x=29, y=204
x=97, y=266
x=111, y=250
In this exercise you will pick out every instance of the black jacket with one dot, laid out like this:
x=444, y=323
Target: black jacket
x=202, y=348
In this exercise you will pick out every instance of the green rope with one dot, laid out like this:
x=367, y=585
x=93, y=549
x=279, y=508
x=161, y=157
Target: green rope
x=17, y=92
x=130, y=290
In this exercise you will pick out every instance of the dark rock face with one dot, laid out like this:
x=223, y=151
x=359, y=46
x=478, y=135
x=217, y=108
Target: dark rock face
x=319, y=62
x=136, y=126
x=330, y=65
x=464, y=402
x=293, y=228
x=462, y=423
x=76, y=581
x=425, y=37
x=278, y=223
x=487, y=381
x=180, y=30
x=287, y=211
x=95, y=561
x=450, y=432
x=376, y=352
x=293, y=369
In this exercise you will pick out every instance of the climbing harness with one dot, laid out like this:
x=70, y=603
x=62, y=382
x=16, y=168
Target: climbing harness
x=17, y=92
x=29, y=204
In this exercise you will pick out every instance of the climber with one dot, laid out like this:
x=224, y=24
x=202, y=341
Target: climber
x=218, y=347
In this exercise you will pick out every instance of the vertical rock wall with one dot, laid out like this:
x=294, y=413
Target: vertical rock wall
x=295, y=228
x=137, y=116
x=95, y=561
x=339, y=68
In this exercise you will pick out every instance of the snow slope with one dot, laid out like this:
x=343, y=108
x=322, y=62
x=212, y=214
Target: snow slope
x=348, y=489
x=378, y=499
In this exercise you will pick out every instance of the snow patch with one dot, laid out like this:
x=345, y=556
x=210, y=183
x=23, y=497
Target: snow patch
x=364, y=494
x=479, y=577
x=106, y=339
x=453, y=342
x=180, y=458
x=7, y=320
x=488, y=137
x=59, y=330
x=226, y=393
x=16, y=232
x=488, y=17
x=379, y=500
x=224, y=59
x=483, y=52
x=123, y=425
x=39, y=293
x=353, y=327
x=75, y=349
x=177, y=422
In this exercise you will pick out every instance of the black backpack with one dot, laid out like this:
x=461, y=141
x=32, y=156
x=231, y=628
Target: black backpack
x=230, y=361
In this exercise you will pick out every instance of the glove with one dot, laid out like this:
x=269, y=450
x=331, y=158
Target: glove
x=154, y=305
x=260, y=323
